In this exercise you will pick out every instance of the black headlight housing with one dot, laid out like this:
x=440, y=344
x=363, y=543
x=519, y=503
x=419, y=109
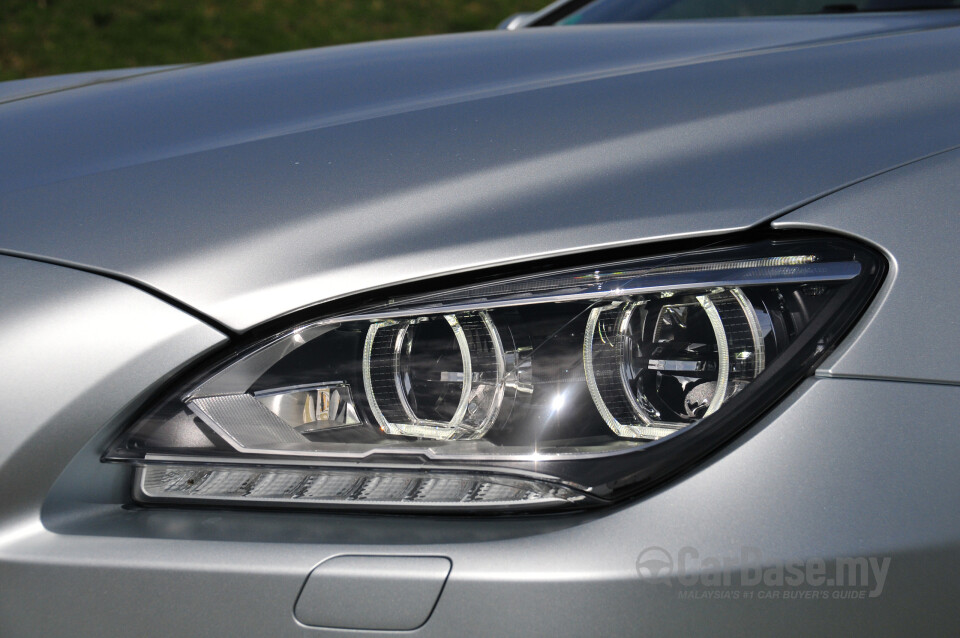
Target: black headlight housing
x=563, y=387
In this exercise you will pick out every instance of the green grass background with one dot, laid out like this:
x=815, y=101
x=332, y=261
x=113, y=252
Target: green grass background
x=44, y=37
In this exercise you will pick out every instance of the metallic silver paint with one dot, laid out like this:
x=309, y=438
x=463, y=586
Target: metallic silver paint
x=34, y=87
x=77, y=352
x=252, y=188
x=913, y=215
x=846, y=491
x=395, y=593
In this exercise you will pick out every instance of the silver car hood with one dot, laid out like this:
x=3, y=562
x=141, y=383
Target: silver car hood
x=253, y=188
x=34, y=87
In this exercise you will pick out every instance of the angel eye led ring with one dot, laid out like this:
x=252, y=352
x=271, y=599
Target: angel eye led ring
x=482, y=378
x=607, y=359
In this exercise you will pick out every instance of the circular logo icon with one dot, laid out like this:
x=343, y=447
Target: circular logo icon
x=655, y=563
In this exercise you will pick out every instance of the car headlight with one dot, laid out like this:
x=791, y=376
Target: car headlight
x=573, y=386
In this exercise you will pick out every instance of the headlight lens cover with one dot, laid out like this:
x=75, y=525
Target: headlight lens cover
x=566, y=387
